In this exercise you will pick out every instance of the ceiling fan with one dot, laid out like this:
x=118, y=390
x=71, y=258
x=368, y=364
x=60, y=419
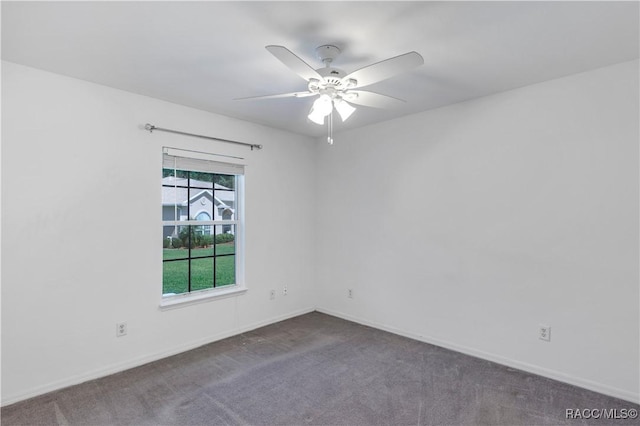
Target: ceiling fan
x=337, y=89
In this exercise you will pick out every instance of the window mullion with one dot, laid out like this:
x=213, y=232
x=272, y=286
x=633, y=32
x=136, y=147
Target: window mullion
x=189, y=229
x=214, y=255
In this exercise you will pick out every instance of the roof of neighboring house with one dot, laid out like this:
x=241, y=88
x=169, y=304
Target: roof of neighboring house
x=171, y=180
x=172, y=195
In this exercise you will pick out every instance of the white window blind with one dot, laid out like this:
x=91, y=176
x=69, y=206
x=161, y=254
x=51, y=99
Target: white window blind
x=201, y=162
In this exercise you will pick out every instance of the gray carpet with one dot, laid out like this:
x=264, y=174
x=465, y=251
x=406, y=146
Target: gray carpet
x=318, y=370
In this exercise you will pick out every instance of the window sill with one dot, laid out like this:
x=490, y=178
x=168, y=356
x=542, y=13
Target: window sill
x=178, y=301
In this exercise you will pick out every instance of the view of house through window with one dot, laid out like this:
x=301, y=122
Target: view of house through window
x=200, y=225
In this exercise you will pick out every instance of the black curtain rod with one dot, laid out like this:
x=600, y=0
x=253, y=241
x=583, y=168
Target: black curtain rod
x=151, y=128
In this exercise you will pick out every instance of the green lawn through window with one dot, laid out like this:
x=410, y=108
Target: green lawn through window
x=176, y=274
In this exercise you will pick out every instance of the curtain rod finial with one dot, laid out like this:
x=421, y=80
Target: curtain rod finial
x=149, y=127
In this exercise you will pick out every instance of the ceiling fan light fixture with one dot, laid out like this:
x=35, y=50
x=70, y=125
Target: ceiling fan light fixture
x=316, y=117
x=320, y=109
x=344, y=109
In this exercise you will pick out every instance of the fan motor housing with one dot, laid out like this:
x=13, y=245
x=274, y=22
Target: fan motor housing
x=332, y=75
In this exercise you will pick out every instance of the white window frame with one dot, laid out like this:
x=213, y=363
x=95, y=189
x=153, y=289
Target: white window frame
x=209, y=163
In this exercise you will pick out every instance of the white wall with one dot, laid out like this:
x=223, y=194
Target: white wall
x=82, y=235
x=466, y=226
x=470, y=225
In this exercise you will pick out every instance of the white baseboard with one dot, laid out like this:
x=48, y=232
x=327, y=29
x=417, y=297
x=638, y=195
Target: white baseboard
x=530, y=368
x=118, y=367
x=136, y=362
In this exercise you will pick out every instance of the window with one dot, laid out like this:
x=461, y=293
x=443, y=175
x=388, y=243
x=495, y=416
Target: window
x=206, y=230
x=202, y=226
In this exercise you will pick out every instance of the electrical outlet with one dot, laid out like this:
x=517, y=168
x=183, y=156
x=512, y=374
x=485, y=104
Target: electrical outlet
x=121, y=329
x=284, y=291
x=272, y=294
x=350, y=293
x=544, y=333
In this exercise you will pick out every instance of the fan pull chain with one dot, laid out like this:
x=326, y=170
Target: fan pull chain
x=330, y=128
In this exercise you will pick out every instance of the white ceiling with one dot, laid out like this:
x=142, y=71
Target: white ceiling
x=205, y=54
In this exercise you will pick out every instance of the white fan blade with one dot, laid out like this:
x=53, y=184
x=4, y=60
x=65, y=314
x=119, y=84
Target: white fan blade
x=371, y=99
x=296, y=64
x=385, y=69
x=282, y=95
